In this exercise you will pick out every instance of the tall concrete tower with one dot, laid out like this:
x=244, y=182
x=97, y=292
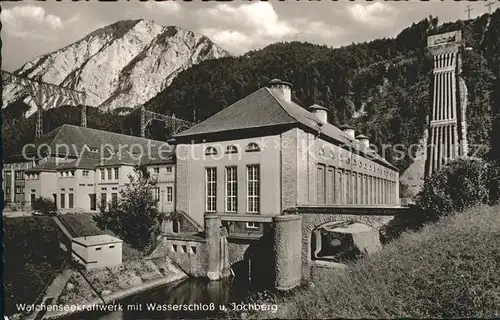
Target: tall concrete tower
x=447, y=127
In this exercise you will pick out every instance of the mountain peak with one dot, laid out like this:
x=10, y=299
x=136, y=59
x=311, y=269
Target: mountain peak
x=123, y=64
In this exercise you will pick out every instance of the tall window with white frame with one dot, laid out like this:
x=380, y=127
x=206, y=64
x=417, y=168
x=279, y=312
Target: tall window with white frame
x=211, y=190
x=157, y=194
x=253, y=190
x=231, y=189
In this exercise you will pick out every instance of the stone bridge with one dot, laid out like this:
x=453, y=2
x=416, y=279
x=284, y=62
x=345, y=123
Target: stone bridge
x=284, y=251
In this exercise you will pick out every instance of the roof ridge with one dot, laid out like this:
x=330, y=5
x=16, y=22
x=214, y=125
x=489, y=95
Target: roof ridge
x=279, y=103
x=231, y=105
x=57, y=134
x=108, y=132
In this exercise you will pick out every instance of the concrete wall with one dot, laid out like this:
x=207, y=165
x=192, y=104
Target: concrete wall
x=109, y=255
x=287, y=257
x=79, y=252
x=350, y=178
x=189, y=254
x=45, y=186
x=98, y=256
x=312, y=220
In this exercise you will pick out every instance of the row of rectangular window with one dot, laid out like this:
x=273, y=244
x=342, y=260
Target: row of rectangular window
x=104, y=201
x=67, y=173
x=109, y=175
x=19, y=190
x=62, y=201
x=231, y=189
x=169, y=196
x=169, y=169
x=340, y=186
x=85, y=173
x=19, y=175
x=34, y=176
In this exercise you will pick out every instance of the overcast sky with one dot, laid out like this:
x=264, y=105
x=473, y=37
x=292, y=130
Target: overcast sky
x=33, y=28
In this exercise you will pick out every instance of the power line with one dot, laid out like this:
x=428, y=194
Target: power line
x=468, y=10
x=489, y=6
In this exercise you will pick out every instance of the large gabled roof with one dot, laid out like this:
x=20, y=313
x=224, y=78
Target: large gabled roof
x=49, y=165
x=259, y=109
x=76, y=138
x=267, y=107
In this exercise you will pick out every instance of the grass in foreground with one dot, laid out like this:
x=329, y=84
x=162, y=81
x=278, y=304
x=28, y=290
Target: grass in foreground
x=450, y=269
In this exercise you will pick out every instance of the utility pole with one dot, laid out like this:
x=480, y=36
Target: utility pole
x=469, y=9
x=489, y=6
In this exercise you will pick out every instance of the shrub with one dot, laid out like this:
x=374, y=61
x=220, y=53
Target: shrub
x=461, y=184
x=45, y=206
x=135, y=217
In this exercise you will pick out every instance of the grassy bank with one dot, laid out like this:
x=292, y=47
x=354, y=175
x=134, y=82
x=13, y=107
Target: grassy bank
x=32, y=258
x=450, y=269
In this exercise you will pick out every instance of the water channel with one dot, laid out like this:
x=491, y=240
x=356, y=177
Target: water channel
x=197, y=293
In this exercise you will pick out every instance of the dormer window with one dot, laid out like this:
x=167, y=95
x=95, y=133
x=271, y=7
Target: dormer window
x=91, y=149
x=210, y=151
x=231, y=149
x=252, y=147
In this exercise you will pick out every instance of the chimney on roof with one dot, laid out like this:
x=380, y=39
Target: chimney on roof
x=281, y=87
x=320, y=112
x=365, y=142
x=348, y=130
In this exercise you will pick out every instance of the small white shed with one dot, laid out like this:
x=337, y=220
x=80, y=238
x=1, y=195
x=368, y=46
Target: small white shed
x=97, y=251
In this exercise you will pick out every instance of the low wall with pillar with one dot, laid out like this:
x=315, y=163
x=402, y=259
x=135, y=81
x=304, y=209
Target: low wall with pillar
x=316, y=216
x=275, y=254
x=282, y=252
x=287, y=251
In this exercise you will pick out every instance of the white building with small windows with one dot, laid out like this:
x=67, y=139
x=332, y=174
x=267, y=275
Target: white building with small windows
x=162, y=169
x=80, y=168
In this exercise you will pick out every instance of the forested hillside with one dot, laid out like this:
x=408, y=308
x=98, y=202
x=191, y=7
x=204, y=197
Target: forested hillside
x=381, y=87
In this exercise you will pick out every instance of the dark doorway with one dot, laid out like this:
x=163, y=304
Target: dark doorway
x=92, y=198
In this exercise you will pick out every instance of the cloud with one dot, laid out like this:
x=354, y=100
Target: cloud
x=249, y=26
x=374, y=15
x=30, y=21
x=245, y=26
x=231, y=40
x=164, y=6
x=317, y=29
x=260, y=17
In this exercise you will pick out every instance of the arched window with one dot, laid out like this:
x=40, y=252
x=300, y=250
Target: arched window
x=231, y=149
x=252, y=147
x=210, y=151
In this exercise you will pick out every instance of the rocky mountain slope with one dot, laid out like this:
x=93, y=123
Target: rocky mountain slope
x=120, y=65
